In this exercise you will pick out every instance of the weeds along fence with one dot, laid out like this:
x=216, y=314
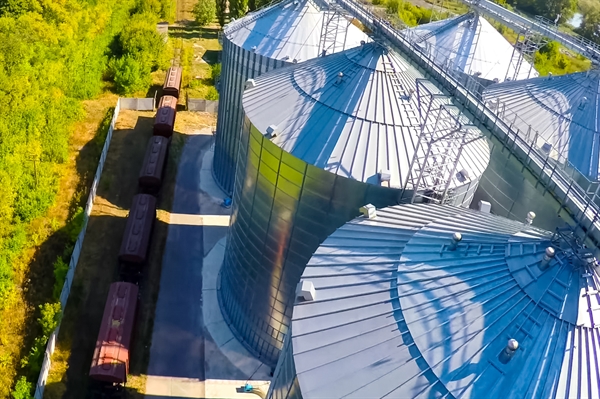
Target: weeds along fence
x=64, y=296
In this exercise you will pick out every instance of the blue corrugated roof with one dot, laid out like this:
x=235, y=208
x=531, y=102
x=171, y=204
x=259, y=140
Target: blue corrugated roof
x=398, y=314
x=563, y=111
x=470, y=44
x=353, y=125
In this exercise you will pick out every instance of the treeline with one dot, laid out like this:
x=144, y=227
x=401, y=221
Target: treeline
x=551, y=9
x=53, y=55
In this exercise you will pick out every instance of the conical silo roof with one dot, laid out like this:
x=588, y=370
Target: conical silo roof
x=353, y=114
x=292, y=30
x=397, y=312
x=470, y=44
x=560, y=113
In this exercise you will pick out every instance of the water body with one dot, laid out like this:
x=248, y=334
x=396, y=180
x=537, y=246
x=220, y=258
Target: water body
x=576, y=20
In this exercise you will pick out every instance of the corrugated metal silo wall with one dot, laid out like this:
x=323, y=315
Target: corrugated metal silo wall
x=283, y=209
x=238, y=66
x=513, y=191
x=285, y=381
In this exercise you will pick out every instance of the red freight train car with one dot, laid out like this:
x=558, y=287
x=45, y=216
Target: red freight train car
x=110, y=363
x=164, y=122
x=172, y=82
x=151, y=174
x=138, y=230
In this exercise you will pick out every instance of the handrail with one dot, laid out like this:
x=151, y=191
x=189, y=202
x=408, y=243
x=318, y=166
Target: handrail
x=548, y=169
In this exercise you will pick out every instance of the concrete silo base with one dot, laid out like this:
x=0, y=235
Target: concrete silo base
x=224, y=340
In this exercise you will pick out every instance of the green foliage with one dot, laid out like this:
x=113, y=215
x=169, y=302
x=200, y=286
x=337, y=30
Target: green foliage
x=50, y=318
x=413, y=15
x=552, y=59
x=221, y=6
x=212, y=94
x=130, y=75
x=161, y=8
x=140, y=40
x=50, y=315
x=392, y=6
x=60, y=274
x=215, y=73
x=590, y=25
x=23, y=389
x=237, y=8
x=547, y=8
x=205, y=12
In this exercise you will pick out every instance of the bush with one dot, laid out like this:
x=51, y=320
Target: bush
x=215, y=73
x=205, y=11
x=50, y=318
x=61, y=268
x=22, y=389
x=130, y=75
x=392, y=6
x=212, y=94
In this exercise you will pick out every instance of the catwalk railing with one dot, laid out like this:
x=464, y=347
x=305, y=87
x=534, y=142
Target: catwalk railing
x=574, y=192
x=541, y=25
x=64, y=296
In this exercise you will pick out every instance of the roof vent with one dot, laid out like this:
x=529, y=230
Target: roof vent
x=583, y=103
x=546, y=147
x=548, y=255
x=484, y=206
x=462, y=176
x=253, y=48
x=295, y=60
x=530, y=217
x=384, y=176
x=456, y=238
x=305, y=290
x=271, y=131
x=496, y=80
x=287, y=57
x=362, y=42
x=509, y=351
x=340, y=77
x=250, y=84
x=323, y=53
x=369, y=211
x=549, y=75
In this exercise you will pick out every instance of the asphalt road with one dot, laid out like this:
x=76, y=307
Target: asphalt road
x=178, y=339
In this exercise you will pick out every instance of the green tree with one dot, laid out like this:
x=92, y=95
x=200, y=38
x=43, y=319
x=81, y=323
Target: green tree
x=131, y=75
x=590, y=26
x=205, y=12
x=237, y=8
x=221, y=5
x=22, y=389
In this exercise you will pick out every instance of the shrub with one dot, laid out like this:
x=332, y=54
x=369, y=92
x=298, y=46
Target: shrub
x=61, y=268
x=215, y=73
x=212, y=94
x=130, y=75
x=50, y=318
x=392, y=6
x=205, y=12
x=22, y=389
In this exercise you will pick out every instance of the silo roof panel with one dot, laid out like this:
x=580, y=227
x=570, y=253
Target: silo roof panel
x=471, y=44
x=289, y=30
x=560, y=111
x=350, y=113
x=399, y=314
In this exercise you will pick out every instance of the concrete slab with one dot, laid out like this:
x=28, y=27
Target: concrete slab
x=226, y=389
x=207, y=182
x=190, y=337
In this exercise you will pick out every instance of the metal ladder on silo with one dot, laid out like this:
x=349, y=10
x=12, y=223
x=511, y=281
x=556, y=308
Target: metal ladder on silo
x=335, y=20
x=444, y=134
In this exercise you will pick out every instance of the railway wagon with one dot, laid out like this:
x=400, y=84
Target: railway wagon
x=136, y=238
x=172, y=84
x=151, y=174
x=164, y=122
x=110, y=363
